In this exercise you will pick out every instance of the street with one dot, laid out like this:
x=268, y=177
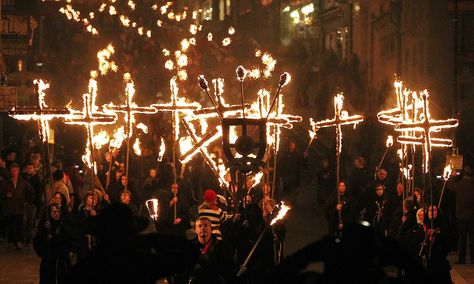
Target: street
x=305, y=225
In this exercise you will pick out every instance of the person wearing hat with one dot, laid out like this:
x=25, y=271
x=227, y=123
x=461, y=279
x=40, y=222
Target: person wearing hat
x=210, y=210
x=14, y=191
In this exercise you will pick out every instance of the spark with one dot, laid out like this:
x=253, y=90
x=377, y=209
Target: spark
x=226, y=41
x=103, y=56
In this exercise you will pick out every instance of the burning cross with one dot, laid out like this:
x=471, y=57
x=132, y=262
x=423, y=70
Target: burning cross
x=200, y=145
x=425, y=125
x=176, y=106
x=341, y=117
x=129, y=109
x=89, y=117
x=41, y=112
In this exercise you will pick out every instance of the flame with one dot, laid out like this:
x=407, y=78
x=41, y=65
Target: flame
x=281, y=214
x=400, y=154
x=257, y=179
x=209, y=36
x=222, y=172
x=407, y=172
x=226, y=41
x=103, y=56
x=185, y=144
x=142, y=127
x=169, y=64
x=152, y=206
x=389, y=142
x=193, y=29
x=231, y=30
x=185, y=45
x=100, y=139
x=447, y=172
x=182, y=60
x=118, y=138
x=136, y=147
x=162, y=150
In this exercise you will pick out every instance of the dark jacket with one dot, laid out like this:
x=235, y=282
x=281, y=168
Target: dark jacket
x=464, y=190
x=16, y=198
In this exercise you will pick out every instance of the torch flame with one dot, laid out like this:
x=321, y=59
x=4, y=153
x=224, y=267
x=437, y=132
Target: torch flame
x=389, y=142
x=281, y=214
x=142, y=127
x=136, y=147
x=257, y=179
x=152, y=206
x=447, y=172
x=162, y=150
x=119, y=136
x=100, y=139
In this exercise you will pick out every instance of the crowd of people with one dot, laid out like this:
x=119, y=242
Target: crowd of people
x=75, y=220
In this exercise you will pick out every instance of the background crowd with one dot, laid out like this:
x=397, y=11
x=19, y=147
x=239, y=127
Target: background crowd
x=55, y=210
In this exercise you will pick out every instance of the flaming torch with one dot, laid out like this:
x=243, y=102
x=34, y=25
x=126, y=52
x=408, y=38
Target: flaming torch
x=162, y=150
x=446, y=174
x=283, y=210
x=153, y=210
x=388, y=144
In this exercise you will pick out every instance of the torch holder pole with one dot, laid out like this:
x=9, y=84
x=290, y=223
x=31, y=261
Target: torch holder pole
x=381, y=162
x=252, y=251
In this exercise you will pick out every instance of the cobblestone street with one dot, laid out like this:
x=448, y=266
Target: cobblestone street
x=18, y=266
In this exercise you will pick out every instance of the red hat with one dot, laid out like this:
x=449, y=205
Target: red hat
x=210, y=195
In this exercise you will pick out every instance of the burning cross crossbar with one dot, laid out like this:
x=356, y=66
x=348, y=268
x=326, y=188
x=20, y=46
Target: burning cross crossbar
x=41, y=112
x=426, y=125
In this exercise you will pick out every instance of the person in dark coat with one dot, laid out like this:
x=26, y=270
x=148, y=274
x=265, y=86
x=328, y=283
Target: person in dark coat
x=358, y=180
x=116, y=186
x=33, y=207
x=246, y=234
x=215, y=262
x=437, y=246
x=123, y=256
x=326, y=181
x=51, y=246
x=464, y=189
x=339, y=212
x=376, y=211
x=14, y=192
x=125, y=198
x=291, y=163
